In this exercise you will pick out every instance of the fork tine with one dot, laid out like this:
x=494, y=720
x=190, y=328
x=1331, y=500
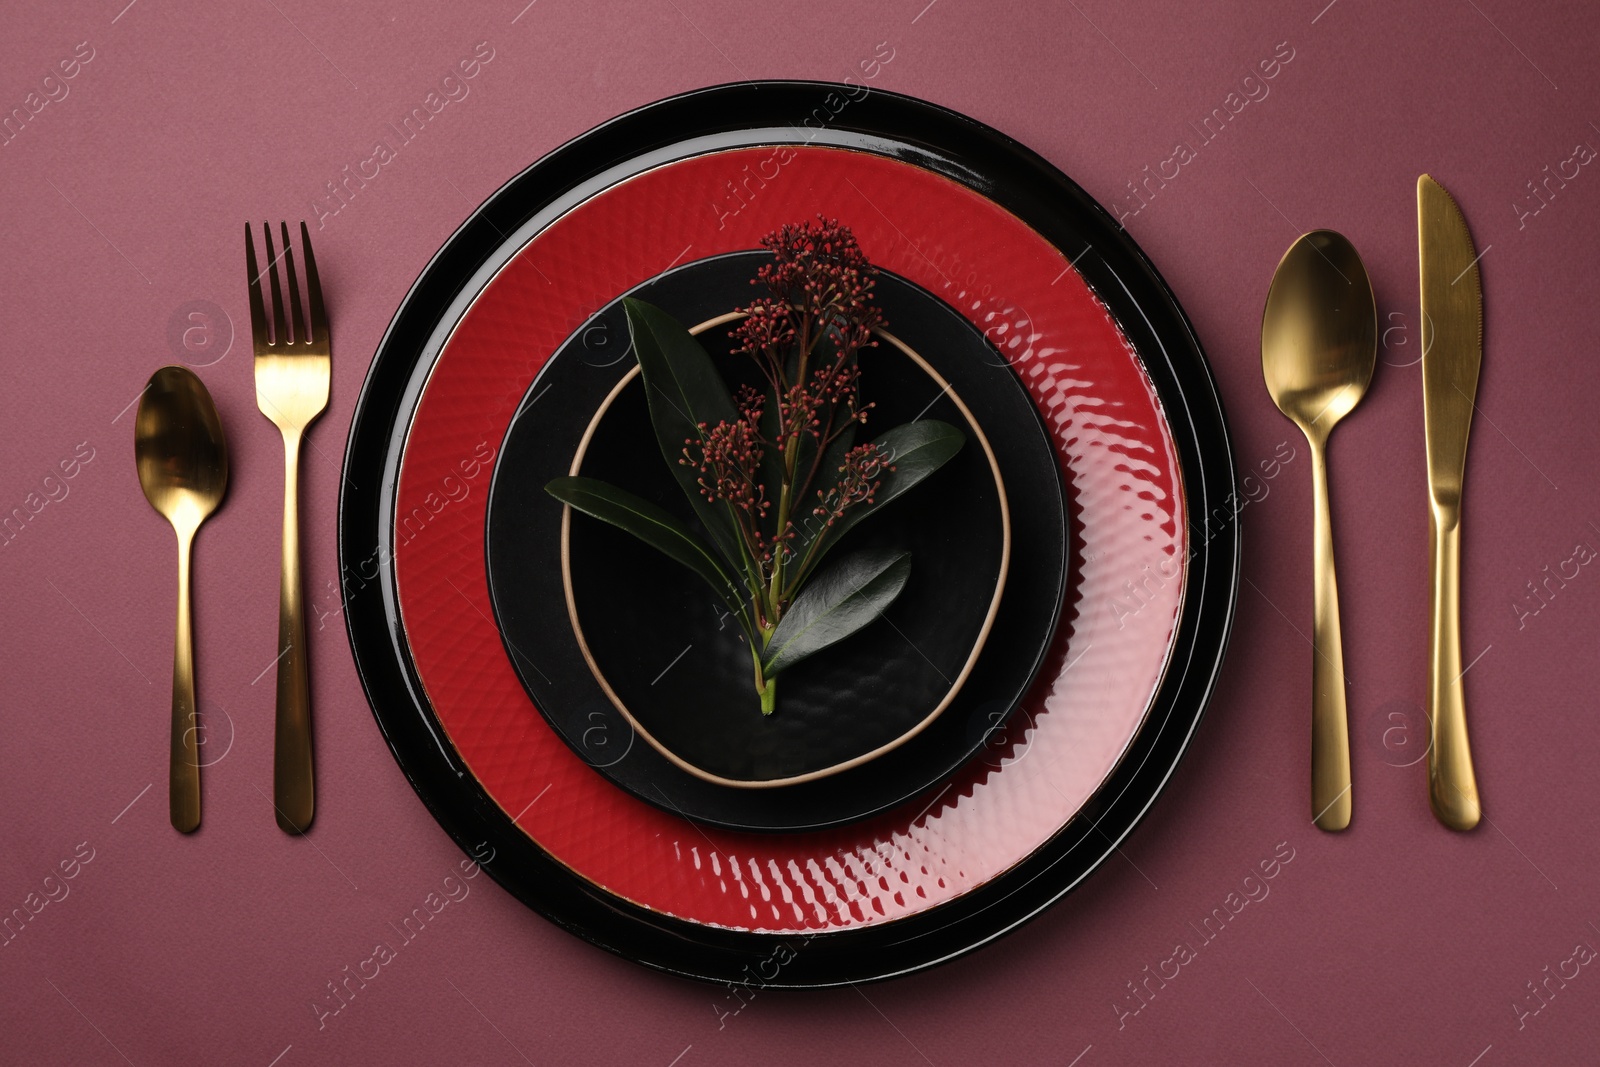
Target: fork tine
x=258, y=315
x=319, y=316
x=300, y=336
x=279, y=331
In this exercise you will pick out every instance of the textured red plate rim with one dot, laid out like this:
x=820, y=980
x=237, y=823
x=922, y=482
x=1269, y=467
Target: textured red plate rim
x=731, y=880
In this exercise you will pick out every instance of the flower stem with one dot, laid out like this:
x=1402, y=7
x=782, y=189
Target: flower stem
x=791, y=455
x=766, y=687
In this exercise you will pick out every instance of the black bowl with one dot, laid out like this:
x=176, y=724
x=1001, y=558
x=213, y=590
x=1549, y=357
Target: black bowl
x=680, y=667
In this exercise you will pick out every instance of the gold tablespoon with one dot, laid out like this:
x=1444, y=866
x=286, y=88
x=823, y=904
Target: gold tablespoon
x=1319, y=343
x=183, y=468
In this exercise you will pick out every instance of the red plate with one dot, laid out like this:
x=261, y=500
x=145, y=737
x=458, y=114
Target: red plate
x=1117, y=455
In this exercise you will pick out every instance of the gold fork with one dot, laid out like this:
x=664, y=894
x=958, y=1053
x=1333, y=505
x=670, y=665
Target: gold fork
x=292, y=371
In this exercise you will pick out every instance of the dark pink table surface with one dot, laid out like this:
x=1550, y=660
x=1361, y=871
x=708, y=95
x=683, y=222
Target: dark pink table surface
x=1397, y=942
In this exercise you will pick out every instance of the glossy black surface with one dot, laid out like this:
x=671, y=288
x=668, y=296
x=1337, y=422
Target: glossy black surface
x=681, y=667
x=965, y=151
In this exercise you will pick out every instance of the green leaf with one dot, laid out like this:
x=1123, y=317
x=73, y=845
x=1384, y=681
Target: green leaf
x=654, y=527
x=916, y=450
x=684, y=390
x=836, y=604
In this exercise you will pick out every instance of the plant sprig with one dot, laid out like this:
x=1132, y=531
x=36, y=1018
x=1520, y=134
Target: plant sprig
x=773, y=474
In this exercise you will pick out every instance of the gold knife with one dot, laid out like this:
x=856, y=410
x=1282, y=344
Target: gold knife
x=1452, y=351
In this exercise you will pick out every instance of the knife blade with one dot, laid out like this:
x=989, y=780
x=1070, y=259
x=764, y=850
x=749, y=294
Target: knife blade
x=1452, y=355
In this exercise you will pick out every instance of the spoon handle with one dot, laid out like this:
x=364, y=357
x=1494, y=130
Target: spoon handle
x=183, y=789
x=292, y=789
x=1330, y=733
x=1452, y=787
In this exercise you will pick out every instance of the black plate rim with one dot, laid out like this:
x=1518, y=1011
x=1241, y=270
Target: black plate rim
x=1056, y=595
x=1000, y=168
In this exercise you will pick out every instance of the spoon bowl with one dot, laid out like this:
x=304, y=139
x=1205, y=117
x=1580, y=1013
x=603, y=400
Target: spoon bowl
x=1319, y=345
x=179, y=447
x=182, y=457
x=1319, y=333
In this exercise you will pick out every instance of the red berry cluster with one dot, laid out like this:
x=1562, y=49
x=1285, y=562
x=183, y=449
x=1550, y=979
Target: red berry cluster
x=805, y=337
x=728, y=457
x=859, y=479
x=821, y=285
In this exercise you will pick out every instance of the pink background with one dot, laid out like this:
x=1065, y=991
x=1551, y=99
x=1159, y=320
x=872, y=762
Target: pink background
x=1395, y=942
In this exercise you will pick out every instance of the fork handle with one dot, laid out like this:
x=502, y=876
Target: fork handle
x=293, y=795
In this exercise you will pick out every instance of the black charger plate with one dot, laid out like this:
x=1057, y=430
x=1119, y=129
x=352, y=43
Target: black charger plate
x=679, y=665
x=961, y=151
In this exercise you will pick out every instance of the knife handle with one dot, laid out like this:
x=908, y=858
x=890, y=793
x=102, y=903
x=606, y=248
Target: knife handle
x=1452, y=787
x=1330, y=732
